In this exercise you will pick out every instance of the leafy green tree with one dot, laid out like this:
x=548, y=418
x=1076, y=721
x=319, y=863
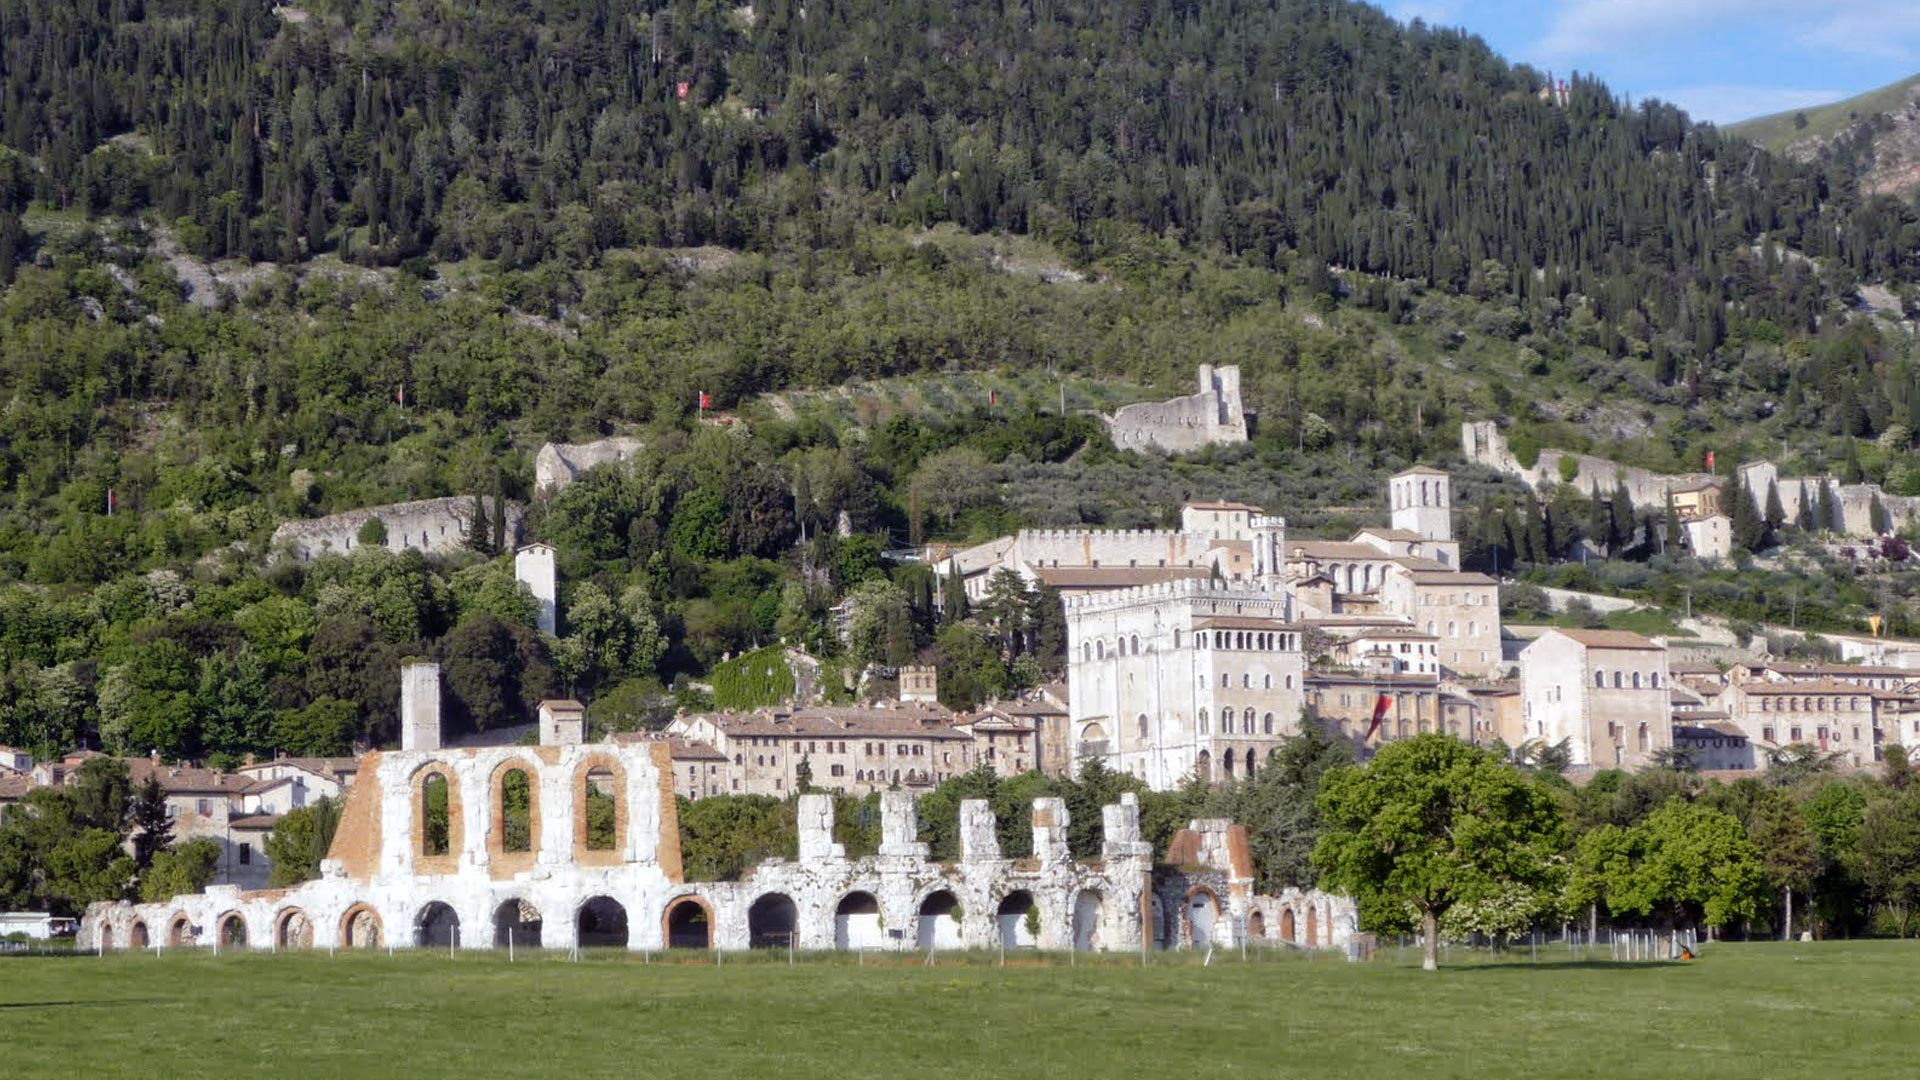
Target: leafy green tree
x=971, y=669
x=180, y=870
x=722, y=839
x=1432, y=822
x=1004, y=611
x=880, y=626
x=372, y=534
x=1787, y=852
x=1889, y=855
x=1280, y=806
x=300, y=841
x=151, y=824
x=1682, y=857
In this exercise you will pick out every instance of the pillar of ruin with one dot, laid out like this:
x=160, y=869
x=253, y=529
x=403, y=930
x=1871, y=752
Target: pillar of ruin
x=420, y=705
x=1050, y=831
x=899, y=826
x=1121, y=823
x=979, y=832
x=816, y=829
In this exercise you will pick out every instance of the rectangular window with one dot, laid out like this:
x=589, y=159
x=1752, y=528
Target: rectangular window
x=1796, y=734
x=203, y=807
x=246, y=854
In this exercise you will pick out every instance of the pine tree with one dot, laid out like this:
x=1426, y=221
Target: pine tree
x=1804, y=520
x=1623, y=530
x=1877, y=516
x=1828, y=506
x=1536, y=549
x=1776, y=513
x=1672, y=542
x=1599, y=521
x=479, y=533
x=1749, y=531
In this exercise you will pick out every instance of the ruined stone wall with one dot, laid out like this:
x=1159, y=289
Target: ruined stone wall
x=429, y=525
x=1483, y=444
x=1213, y=416
x=560, y=464
x=381, y=890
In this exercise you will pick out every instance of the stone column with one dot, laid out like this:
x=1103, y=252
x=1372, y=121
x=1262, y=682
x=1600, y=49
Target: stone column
x=899, y=826
x=1050, y=832
x=979, y=832
x=816, y=830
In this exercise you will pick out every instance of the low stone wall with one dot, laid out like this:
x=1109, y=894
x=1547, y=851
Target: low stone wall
x=429, y=525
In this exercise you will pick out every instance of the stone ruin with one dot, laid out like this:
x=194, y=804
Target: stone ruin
x=1212, y=417
x=428, y=525
x=392, y=879
x=560, y=464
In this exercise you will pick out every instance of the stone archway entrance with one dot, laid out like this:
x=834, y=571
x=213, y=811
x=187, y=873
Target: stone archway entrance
x=233, y=931
x=293, y=930
x=437, y=926
x=1086, y=920
x=939, y=925
x=602, y=923
x=1018, y=921
x=772, y=922
x=689, y=924
x=1257, y=926
x=1203, y=916
x=1286, y=925
x=516, y=923
x=856, y=922
x=137, y=937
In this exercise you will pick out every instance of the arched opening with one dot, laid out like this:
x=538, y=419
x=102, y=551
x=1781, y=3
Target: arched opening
x=436, y=925
x=1156, y=922
x=436, y=833
x=293, y=930
x=179, y=933
x=516, y=924
x=601, y=810
x=1203, y=912
x=602, y=923
x=1287, y=930
x=1141, y=725
x=688, y=924
x=1086, y=920
x=233, y=931
x=1313, y=929
x=106, y=938
x=1246, y=761
x=1203, y=767
x=1019, y=920
x=360, y=928
x=1257, y=926
x=1226, y=766
x=856, y=922
x=939, y=926
x=516, y=811
x=1266, y=724
x=137, y=937
x=772, y=922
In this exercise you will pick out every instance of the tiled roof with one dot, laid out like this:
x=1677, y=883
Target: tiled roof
x=1116, y=577
x=1402, y=535
x=1222, y=505
x=176, y=779
x=254, y=821
x=1420, y=470
x=14, y=786
x=1607, y=639
x=1449, y=577
x=906, y=721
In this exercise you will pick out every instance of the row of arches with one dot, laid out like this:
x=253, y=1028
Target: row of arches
x=1245, y=761
x=514, y=810
x=773, y=921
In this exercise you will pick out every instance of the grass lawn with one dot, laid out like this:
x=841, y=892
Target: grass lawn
x=1808, y=1010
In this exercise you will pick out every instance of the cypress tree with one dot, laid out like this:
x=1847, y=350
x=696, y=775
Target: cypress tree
x=1535, y=544
x=1623, y=529
x=1804, y=519
x=1599, y=521
x=1776, y=514
x=479, y=532
x=1749, y=531
x=1828, y=505
x=1672, y=526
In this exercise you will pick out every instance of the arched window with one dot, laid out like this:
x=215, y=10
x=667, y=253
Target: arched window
x=1246, y=722
x=1203, y=721
x=1133, y=645
x=1226, y=721
x=1289, y=682
x=1616, y=680
x=1099, y=650
x=516, y=811
x=1226, y=680
x=1142, y=723
x=436, y=837
x=1176, y=638
x=1636, y=680
x=1246, y=680
x=1266, y=682
x=601, y=796
x=1226, y=765
x=1266, y=724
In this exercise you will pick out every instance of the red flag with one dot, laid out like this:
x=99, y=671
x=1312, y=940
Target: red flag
x=706, y=400
x=681, y=89
x=993, y=397
x=1709, y=461
x=1379, y=715
x=400, y=395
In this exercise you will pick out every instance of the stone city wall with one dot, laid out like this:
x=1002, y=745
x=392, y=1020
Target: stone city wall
x=429, y=525
x=1214, y=416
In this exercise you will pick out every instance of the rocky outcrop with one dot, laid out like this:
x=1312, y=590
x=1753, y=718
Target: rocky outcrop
x=560, y=464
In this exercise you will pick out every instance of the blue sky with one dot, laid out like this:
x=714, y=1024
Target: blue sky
x=1721, y=60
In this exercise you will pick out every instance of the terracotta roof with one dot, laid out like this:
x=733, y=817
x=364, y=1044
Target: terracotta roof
x=905, y=721
x=1810, y=686
x=1449, y=577
x=1697, y=485
x=14, y=786
x=1706, y=728
x=254, y=821
x=1421, y=470
x=1117, y=577
x=1222, y=505
x=333, y=768
x=1606, y=639
x=559, y=704
x=1407, y=632
x=1330, y=678
x=993, y=718
x=1336, y=549
x=182, y=780
x=1856, y=670
x=1405, y=535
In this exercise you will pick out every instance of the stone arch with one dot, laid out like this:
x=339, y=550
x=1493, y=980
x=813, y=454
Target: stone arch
x=516, y=923
x=137, y=937
x=1266, y=724
x=361, y=928
x=1257, y=925
x=1287, y=930
x=513, y=831
x=856, y=922
x=1203, y=721
x=1087, y=907
x=687, y=923
x=437, y=827
x=597, y=779
x=1011, y=917
x=773, y=921
x=939, y=921
x=106, y=936
x=179, y=931
x=1246, y=761
x=601, y=922
x=1313, y=927
x=231, y=929
x=292, y=930
x=1226, y=766
x=1203, y=766
x=436, y=926
x=1141, y=725
x=1202, y=915
x=1156, y=922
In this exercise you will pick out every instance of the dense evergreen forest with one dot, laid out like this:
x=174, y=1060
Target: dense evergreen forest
x=268, y=262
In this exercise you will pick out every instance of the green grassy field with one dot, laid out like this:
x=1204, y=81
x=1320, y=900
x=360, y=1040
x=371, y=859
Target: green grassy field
x=1824, y=1010
x=1777, y=131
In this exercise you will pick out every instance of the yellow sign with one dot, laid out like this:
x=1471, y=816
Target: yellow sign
x=1875, y=621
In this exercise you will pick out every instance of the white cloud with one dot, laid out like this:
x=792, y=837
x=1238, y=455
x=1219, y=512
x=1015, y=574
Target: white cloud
x=1867, y=28
x=1726, y=103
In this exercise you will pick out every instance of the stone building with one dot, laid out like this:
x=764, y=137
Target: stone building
x=427, y=525
x=1712, y=743
x=1604, y=691
x=1035, y=727
x=432, y=852
x=854, y=749
x=558, y=464
x=1187, y=678
x=1415, y=704
x=1847, y=719
x=1214, y=416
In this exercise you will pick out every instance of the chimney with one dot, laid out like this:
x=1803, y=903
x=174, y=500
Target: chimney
x=562, y=723
x=419, y=705
x=920, y=682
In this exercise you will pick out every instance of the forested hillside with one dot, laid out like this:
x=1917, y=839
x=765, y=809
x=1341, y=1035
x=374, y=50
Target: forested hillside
x=268, y=262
